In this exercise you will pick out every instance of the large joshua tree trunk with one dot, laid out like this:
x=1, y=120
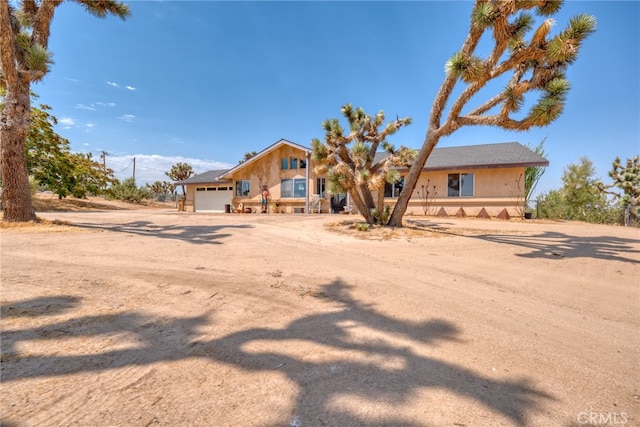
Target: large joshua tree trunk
x=430, y=141
x=537, y=66
x=14, y=126
x=24, y=58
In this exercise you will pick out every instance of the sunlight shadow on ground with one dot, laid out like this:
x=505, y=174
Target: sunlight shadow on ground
x=554, y=245
x=43, y=306
x=197, y=234
x=389, y=368
x=550, y=245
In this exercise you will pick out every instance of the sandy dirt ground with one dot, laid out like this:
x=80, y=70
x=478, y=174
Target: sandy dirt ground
x=156, y=317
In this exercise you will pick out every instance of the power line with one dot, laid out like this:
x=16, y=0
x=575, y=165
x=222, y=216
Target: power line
x=126, y=167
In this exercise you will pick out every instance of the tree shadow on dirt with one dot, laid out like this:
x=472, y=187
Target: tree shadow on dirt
x=43, y=306
x=553, y=245
x=197, y=234
x=360, y=354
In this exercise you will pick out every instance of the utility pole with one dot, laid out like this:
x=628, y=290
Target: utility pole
x=103, y=156
x=134, y=169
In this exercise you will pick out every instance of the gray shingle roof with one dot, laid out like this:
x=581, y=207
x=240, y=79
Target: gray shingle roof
x=501, y=155
x=209, y=177
x=510, y=154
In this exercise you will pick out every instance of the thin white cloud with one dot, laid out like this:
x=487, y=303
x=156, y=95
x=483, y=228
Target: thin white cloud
x=85, y=107
x=89, y=125
x=92, y=107
x=86, y=144
x=127, y=117
x=128, y=87
x=67, y=121
x=71, y=79
x=152, y=167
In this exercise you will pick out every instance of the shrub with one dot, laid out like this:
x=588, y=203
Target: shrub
x=362, y=226
x=127, y=191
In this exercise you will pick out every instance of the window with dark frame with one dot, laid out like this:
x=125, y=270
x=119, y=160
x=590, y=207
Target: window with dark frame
x=460, y=185
x=243, y=188
x=393, y=190
x=321, y=187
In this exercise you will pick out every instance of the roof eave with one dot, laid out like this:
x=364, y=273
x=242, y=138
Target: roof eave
x=482, y=166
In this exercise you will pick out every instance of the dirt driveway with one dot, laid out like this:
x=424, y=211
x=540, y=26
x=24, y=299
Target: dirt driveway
x=154, y=317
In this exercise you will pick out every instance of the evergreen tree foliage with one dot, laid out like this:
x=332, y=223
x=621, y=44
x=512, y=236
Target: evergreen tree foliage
x=128, y=191
x=53, y=166
x=247, y=156
x=25, y=58
x=579, y=199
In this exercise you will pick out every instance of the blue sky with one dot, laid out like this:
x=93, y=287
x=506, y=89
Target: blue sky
x=204, y=82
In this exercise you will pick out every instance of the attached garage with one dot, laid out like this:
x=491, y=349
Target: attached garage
x=206, y=193
x=212, y=199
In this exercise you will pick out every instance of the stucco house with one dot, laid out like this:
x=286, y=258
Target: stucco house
x=476, y=180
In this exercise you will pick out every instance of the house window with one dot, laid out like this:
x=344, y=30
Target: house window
x=393, y=190
x=460, y=185
x=243, y=188
x=292, y=163
x=321, y=187
x=290, y=188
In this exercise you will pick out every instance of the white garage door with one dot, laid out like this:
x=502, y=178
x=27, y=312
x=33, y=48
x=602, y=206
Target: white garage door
x=212, y=199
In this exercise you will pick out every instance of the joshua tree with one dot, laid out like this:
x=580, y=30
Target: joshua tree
x=354, y=168
x=24, y=36
x=627, y=179
x=179, y=172
x=535, y=65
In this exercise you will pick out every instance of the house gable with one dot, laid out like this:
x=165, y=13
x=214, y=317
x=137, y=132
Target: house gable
x=262, y=154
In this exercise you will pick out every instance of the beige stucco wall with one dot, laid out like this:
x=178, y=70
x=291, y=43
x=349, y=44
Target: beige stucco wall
x=267, y=171
x=494, y=190
x=190, y=197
